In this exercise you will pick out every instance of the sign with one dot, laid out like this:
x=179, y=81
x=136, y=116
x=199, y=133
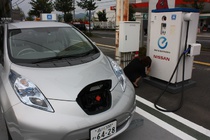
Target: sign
x=173, y=17
x=112, y=7
x=104, y=131
x=48, y=17
x=162, y=42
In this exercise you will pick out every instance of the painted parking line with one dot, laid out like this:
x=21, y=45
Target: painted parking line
x=164, y=125
x=175, y=124
x=108, y=46
x=202, y=63
x=203, y=35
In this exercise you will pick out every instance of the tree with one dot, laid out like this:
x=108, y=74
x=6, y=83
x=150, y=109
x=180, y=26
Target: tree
x=60, y=17
x=29, y=18
x=197, y=4
x=22, y=15
x=68, y=17
x=88, y=5
x=102, y=15
x=40, y=6
x=5, y=9
x=1, y=11
x=65, y=6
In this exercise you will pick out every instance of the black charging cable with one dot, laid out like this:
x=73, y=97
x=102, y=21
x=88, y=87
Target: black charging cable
x=183, y=73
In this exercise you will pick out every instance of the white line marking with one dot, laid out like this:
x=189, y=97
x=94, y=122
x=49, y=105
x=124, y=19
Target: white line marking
x=109, y=37
x=164, y=125
x=177, y=118
x=105, y=48
x=103, y=45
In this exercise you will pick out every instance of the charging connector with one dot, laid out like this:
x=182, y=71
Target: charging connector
x=194, y=49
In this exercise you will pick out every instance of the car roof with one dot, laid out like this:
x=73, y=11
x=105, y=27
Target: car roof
x=35, y=24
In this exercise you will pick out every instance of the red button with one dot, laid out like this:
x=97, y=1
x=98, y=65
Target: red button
x=98, y=98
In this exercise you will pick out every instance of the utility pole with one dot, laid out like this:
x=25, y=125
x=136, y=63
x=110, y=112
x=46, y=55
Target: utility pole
x=122, y=14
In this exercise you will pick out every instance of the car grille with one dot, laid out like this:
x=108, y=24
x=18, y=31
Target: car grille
x=96, y=97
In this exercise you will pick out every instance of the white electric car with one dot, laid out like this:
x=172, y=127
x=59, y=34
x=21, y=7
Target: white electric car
x=57, y=85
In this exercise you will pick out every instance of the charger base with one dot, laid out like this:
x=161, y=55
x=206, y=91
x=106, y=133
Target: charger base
x=172, y=88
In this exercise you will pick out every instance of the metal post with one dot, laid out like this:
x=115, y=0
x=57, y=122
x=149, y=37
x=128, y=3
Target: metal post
x=125, y=10
x=118, y=17
x=125, y=18
x=122, y=13
x=142, y=32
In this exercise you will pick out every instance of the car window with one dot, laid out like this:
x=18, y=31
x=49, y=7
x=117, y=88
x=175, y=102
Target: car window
x=41, y=43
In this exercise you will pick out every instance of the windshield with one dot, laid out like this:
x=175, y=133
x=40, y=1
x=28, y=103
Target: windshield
x=40, y=44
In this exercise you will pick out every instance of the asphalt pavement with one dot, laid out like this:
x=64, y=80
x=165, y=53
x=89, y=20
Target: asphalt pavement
x=196, y=99
x=193, y=115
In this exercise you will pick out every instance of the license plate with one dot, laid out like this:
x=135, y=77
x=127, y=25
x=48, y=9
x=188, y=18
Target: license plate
x=104, y=131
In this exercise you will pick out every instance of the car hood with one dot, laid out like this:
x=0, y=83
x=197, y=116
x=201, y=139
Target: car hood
x=65, y=83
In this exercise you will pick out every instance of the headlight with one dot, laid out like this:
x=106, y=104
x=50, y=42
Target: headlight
x=119, y=73
x=28, y=93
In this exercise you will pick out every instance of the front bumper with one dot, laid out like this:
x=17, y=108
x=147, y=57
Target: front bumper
x=69, y=121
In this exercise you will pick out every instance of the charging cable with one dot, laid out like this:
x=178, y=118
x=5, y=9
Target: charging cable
x=183, y=73
x=182, y=92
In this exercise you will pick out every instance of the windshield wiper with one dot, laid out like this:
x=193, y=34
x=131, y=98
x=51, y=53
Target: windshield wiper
x=50, y=59
x=86, y=53
x=77, y=55
x=46, y=59
x=63, y=57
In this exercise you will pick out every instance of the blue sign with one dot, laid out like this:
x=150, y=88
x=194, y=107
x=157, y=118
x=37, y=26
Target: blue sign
x=49, y=17
x=173, y=17
x=162, y=42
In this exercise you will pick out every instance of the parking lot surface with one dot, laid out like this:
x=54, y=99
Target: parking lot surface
x=190, y=122
x=196, y=99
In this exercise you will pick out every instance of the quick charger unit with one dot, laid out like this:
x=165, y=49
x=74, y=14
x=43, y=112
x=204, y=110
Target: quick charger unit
x=172, y=32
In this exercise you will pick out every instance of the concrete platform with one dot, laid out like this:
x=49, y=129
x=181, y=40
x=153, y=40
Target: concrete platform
x=172, y=88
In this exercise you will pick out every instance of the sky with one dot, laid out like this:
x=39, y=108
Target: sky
x=25, y=6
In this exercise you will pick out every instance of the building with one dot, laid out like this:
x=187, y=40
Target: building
x=204, y=21
x=142, y=6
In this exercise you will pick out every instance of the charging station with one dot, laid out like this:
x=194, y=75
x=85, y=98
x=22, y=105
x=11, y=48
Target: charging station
x=172, y=33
